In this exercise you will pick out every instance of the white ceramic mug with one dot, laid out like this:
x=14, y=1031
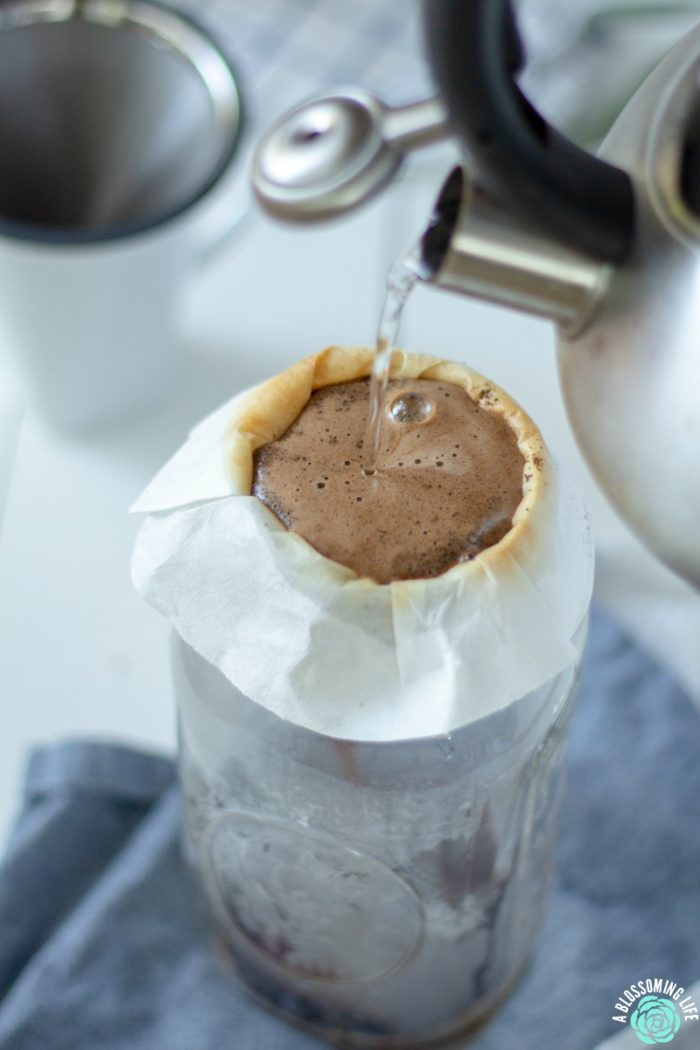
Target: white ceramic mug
x=124, y=119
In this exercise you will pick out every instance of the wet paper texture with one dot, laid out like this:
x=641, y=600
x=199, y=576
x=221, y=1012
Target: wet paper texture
x=324, y=649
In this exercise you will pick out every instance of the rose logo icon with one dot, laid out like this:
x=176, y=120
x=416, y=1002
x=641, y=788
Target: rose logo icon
x=655, y=1019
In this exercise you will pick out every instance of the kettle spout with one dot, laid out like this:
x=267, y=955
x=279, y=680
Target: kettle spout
x=475, y=247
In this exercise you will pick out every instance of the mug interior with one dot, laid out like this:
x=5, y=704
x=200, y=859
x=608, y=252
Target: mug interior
x=114, y=116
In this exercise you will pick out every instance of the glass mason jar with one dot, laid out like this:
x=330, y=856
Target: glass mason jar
x=385, y=894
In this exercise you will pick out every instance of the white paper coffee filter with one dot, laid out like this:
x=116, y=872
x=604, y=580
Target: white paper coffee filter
x=304, y=637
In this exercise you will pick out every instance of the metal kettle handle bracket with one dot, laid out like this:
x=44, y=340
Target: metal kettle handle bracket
x=543, y=178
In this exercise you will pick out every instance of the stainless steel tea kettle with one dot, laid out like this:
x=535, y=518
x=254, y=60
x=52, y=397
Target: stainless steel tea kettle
x=608, y=247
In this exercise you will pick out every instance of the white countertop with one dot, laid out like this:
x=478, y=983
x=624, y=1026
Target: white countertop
x=80, y=653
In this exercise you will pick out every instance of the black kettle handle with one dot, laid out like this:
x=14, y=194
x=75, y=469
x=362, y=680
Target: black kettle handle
x=475, y=51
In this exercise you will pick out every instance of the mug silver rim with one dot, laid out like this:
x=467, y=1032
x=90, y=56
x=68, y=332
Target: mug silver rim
x=196, y=45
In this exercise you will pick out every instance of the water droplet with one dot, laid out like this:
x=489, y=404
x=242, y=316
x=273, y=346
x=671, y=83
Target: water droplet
x=410, y=408
x=446, y=748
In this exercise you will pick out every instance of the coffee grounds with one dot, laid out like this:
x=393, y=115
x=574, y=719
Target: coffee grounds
x=447, y=486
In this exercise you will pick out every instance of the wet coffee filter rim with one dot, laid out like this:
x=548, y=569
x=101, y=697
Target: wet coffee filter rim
x=268, y=411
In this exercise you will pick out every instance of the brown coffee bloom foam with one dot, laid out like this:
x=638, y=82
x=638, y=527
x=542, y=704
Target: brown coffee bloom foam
x=447, y=486
x=265, y=413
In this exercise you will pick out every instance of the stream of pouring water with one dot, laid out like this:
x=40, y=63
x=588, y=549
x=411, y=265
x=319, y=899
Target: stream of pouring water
x=400, y=283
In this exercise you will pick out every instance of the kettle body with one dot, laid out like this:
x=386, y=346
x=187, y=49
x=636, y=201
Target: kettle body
x=631, y=377
x=616, y=269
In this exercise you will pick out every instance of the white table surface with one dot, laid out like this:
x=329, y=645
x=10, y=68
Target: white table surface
x=80, y=653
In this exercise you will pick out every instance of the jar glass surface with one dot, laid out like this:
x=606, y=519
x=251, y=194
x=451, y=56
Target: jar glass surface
x=385, y=892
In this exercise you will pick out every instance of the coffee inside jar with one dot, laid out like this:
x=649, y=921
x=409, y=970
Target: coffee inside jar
x=450, y=479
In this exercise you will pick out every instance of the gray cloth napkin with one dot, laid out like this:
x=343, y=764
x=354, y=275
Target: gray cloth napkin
x=104, y=943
